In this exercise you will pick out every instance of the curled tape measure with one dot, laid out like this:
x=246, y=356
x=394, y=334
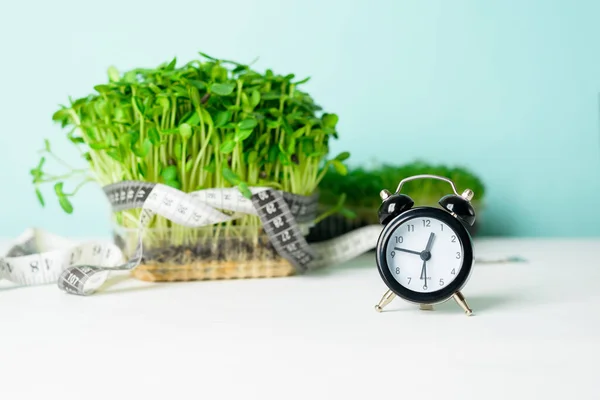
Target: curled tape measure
x=82, y=269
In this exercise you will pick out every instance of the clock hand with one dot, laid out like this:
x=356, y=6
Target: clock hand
x=426, y=255
x=407, y=251
x=430, y=242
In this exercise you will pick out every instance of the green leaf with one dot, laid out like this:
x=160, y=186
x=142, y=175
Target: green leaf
x=230, y=176
x=138, y=105
x=299, y=132
x=262, y=139
x=65, y=204
x=58, y=189
x=189, y=164
x=197, y=84
x=222, y=89
x=99, y=146
x=149, y=102
x=284, y=159
x=89, y=132
x=242, y=135
x=164, y=102
x=173, y=183
x=41, y=163
x=246, y=103
x=271, y=96
x=186, y=116
x=243, y=188
x=239, y=69
x=210, y=167
x=207, y=56
x=40, y=197
x=172, y=64
x=218, y=73
x=154, y=88
x=291, y=149
x=252, y=157
x=62, y=198
x=227, y=146
x=222, y=118
x=302, y=81
x=339, y=167
x=102, y=88
x=192, y=119
x=47, y=145
x=115, y=154
x=154, y=136
x=286, y=126
x=169, y=173
x=144, y=149
x=254, y=98
x=181, y=91
x=113, y=74
x=343, y=156
x=126, y=140
x=186, y=131
x=248, y=123
x=76, y=139
x=273, y=124
x=61, y=115
x=36, y=173
x=206, y=116
x=273, y=153
x=330, y=120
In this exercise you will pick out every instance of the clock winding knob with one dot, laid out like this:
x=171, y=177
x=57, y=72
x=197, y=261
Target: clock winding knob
x=384, y=194
x=467, y=194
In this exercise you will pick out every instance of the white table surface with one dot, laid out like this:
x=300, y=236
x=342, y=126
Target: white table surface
x=535, y=335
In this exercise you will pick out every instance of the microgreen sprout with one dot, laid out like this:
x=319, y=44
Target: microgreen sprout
x=362, y=185
x=209, y=123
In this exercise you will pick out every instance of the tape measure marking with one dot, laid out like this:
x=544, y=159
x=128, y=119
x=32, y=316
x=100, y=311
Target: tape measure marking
x=82, y=269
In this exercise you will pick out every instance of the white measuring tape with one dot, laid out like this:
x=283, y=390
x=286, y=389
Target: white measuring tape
x=41, y=258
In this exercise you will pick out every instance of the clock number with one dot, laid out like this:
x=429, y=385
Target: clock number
x=393, y=253
x=397, y=270
x=458, y=255
x=409, y=279
x=441, y=282
x=426, y=223
x=399, y=239
x=441, y=227
x=411, y=228
x=453, y=238
x=453, y=271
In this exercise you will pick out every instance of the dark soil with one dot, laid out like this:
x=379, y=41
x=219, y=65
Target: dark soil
x=221, y=249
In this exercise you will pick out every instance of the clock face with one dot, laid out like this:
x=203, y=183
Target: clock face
x=425, y=254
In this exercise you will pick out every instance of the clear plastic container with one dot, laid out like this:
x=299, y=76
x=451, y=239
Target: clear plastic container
x=185, y=254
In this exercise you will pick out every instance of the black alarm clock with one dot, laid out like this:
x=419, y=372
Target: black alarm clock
x=425, y=254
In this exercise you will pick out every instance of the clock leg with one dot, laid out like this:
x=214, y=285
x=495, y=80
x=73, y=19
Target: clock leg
x=385, y=300
x=460, y=299
x=425, y=307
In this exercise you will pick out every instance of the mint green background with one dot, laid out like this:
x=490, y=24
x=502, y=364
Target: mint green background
x=506, y=88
